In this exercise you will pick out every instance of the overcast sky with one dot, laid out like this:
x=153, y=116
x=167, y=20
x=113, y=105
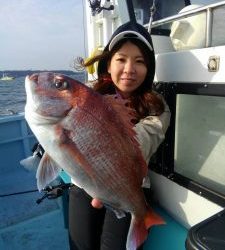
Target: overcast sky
x=40, y=34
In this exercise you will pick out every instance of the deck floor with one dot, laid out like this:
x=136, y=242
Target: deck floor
x=45, y=232
x=24, y=224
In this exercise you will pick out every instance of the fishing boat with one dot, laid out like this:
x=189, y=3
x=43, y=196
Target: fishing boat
x=6, y=77
x=187, y=172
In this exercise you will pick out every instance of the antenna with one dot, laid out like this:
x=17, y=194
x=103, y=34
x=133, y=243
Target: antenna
x=152, y=12
x=130, y=8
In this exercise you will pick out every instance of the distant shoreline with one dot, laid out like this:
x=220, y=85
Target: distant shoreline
x=23, y=73
x=12, y=93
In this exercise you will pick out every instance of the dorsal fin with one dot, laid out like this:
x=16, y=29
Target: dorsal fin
x=123, y=110
x=126, y=115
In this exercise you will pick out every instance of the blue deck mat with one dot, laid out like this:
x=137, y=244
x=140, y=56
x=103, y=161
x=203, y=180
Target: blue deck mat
x=45, y=232
x=15, y=208
x=170, y=236
x=24, y=224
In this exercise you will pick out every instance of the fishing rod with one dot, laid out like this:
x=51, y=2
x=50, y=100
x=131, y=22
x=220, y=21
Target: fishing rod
x=53, y=192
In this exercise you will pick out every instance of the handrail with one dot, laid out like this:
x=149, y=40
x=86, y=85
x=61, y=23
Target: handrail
x=208, y=9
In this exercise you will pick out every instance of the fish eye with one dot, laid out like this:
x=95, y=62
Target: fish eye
x=61, y=84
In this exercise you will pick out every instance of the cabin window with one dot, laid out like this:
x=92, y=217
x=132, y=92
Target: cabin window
x=218, y=35
x=193, y=152
x=191, y=32
x=200, y=140
x=163, y=9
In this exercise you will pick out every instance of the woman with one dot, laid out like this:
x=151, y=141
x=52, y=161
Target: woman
x=125, y=68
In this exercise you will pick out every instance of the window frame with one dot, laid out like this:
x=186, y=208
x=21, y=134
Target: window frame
x=163, y=160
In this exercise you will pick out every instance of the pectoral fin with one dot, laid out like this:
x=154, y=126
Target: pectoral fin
x=118, y=212
x=47, y=171
x=31, y=163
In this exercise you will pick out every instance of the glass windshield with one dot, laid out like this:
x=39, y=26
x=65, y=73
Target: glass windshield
x=164, y=8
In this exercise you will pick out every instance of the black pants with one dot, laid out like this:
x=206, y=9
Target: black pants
x=94, y=229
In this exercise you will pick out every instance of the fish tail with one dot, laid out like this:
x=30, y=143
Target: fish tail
x=138, y=231
x=152, y=218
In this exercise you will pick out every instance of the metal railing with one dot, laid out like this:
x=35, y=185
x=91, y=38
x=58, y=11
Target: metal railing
x=208, y=9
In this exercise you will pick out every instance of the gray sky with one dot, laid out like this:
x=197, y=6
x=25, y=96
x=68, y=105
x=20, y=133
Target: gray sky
x=40, y=34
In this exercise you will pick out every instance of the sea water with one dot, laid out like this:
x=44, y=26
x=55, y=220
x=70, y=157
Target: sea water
x=13, y=96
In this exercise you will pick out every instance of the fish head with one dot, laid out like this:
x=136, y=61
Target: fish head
x=50, y=95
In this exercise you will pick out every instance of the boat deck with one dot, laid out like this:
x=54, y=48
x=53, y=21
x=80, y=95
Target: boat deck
x=24, y=224
x=44, y=232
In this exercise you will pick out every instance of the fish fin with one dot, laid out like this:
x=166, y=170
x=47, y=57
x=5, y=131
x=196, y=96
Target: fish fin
x=138, y=231
x=118, y=212
x=47, y=171
x=146, y=182
x=31, y=163
x=68, y=144
x=127, y=115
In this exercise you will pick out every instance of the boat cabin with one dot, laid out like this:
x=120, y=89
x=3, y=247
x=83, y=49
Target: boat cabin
x=188, y=170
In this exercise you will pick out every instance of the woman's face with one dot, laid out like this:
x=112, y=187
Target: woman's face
x=127, y=68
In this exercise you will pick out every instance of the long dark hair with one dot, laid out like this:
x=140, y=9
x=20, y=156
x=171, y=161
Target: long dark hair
x=143, y=99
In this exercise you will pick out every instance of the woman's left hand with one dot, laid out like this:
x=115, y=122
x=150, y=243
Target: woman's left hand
x=96, y=203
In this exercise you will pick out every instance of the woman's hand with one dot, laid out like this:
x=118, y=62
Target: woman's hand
x=96, y=203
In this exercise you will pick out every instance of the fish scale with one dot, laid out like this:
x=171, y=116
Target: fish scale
x=90, y=137
x=110, y=172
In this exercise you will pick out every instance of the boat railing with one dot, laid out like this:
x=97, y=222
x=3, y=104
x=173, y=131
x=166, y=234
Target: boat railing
x=16, y=141
x=208, y=9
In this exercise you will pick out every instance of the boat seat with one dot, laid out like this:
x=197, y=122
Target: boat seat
x=208, y=234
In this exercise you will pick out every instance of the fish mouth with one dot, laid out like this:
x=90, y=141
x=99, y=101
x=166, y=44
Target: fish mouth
x=32, y=82
x=43, y=76
x=30, y=88
x=38, y=105
x=33, y=77
x=31, y=107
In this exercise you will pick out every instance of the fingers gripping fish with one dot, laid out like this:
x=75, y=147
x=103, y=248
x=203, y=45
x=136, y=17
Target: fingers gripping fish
x=90, y=136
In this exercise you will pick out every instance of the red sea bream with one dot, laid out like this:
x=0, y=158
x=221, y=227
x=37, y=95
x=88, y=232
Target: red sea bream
x=89, y=136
